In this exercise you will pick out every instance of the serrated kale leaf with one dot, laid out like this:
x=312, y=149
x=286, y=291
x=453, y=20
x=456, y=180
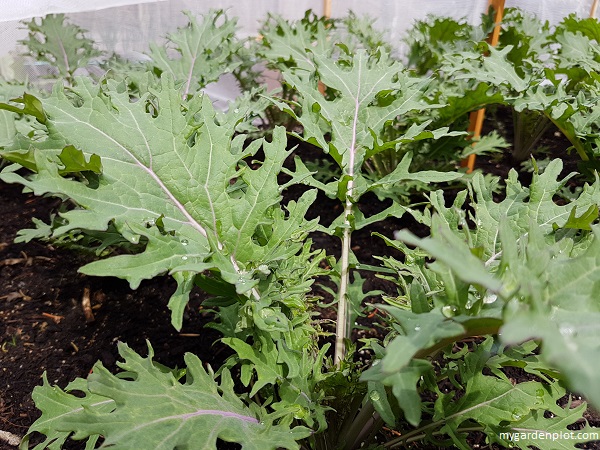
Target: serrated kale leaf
x=168, y=166
x=147, y=407
x=525, y=265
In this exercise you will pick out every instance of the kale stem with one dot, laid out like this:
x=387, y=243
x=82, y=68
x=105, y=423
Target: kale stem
x=362, y=426
x=353, y=426
x=342, y=331
x=338, y=435
x=572, y=138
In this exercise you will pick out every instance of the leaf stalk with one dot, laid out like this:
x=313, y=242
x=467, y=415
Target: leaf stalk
x=343, y=328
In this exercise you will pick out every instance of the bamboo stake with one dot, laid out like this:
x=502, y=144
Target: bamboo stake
x=593, y=9
x=327, y=8
x=327, y=15
x=476, y=117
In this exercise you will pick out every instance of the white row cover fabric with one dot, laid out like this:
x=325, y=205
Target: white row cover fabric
x=127, y=26
x=26, y=9
x=127, y=29
x=397, y=16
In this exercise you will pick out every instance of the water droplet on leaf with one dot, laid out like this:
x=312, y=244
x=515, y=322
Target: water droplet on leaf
x=449, y=310
x=417, y=328
x=567, y=330
x=539, y=396
x=490, y=299
x=184, y=258
x=184, y=242
x=539, y=392
x=374, y=395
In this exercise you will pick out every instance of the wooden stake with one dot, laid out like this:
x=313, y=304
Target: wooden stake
x=498, y=6
x=327, y=15
x=476, y=117
x=327, y=8
x=593, y=9
x=474, y=129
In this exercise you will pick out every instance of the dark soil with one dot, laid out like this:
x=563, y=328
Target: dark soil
x=43, y=328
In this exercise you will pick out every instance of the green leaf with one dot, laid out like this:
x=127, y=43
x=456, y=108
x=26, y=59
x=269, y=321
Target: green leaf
x=550, y=278
x=420, y=331
x=8, y=130
x=364, y=30
x=263, y=359
x=458, y=105
x=532, y=280
x=173, y=165
x=10, y=124
x=452, y=252
x=151, y=409
x=490, y=143
x=57, y=406
x=22, y=151
x=401, y=173
x=359, y=82
x=431, y=39
x=404, y=386
x=577, y=50
x=587, y=26
x=566, y=318
x=415, y=133
x=491, y=400
x=59, y=44
x=520, y=207
x=494, y=69
x=524, y=356
x=357, y=295
x=205, y=49
x=379, y=397
x=31, y=106
x=284, y=44
x=179, y=299
x=583, y=222
x=499, y=405
x=529, y=38
x=74, y=161
x=292, y=367
x=305, y=176
x=537, y=429
x=421, y=334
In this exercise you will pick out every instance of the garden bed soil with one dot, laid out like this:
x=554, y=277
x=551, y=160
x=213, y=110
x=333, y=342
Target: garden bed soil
x=43, y=325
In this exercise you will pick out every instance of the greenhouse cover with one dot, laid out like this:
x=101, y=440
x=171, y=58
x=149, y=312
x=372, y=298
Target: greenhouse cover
x=127, y=26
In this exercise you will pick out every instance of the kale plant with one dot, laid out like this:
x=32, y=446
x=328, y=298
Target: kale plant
x=61, y=46
x=500, y=282
x=545, y=74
